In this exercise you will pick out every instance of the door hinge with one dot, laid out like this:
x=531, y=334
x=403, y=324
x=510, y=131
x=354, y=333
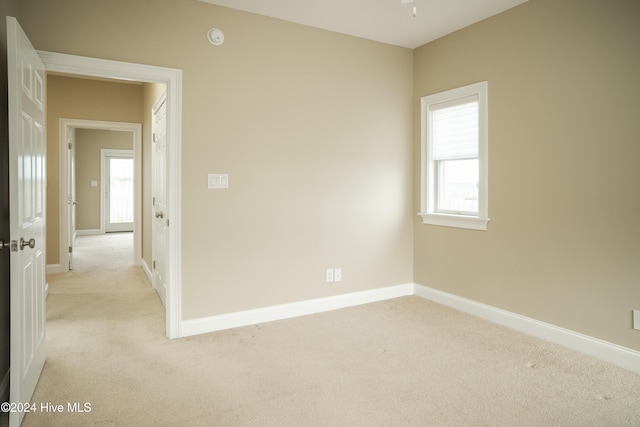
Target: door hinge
x=69, y=145
x=70, y=249
x=154, y=264
x=154, y=137
x=154, y=201
x=167, y=222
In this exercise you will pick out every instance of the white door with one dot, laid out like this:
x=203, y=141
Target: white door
x=27, y=188
x=160, y=229
x=71, y=196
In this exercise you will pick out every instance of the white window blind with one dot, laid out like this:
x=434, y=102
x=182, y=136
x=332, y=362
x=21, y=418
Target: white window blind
x=455, y=129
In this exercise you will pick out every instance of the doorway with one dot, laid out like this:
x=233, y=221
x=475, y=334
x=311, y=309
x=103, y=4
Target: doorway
x=172, y=79
x=117, y=190
x=94, y=203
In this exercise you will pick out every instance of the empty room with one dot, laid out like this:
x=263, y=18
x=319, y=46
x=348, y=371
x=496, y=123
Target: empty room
x=370, y=213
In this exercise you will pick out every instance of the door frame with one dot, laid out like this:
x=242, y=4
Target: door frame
x=172, y=78
x=69, y=125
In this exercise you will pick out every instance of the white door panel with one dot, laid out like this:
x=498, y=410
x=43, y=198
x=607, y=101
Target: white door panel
x=160, y=220
x=27, y=189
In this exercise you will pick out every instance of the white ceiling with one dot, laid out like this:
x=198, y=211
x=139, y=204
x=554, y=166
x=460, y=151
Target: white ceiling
x=387, y=21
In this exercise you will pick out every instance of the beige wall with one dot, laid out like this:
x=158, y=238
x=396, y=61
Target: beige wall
x=563, y=242
x=314, y=129
x=72, y=98
x=152, y=93
x=89, y=143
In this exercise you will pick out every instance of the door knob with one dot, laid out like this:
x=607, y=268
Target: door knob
x=159, y=214
x=31, y=243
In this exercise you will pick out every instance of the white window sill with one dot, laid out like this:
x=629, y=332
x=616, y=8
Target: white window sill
x=459, y=221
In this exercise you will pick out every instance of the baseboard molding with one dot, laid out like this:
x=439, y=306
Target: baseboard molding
x=4, y=388
x=286, y=311
x=613, y=353
x=147, y=271
x=54, y=269
x=89, y=232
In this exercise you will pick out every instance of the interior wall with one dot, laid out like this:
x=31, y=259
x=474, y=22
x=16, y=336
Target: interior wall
x=89, y=143
x=562, y=244
x=74, y=98
x=151, y=93
x=7, y=8
x=313, y=128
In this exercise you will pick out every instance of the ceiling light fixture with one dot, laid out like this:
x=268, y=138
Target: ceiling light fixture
x=415, y=10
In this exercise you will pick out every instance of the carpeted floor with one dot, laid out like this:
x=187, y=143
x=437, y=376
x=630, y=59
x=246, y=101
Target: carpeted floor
x=402, y=362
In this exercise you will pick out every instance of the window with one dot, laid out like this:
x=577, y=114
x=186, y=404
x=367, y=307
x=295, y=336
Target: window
x=454, y=158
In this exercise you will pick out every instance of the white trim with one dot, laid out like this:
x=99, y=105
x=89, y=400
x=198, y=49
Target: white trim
x=147, y=272
x=296, y=309
x=172, y=78
x=459, y=221
x=89, y=232
x=613, y=353
x=54, y=269
x=4, y=387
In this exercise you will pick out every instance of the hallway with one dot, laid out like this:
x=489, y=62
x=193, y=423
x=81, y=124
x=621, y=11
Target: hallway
x=102, y=251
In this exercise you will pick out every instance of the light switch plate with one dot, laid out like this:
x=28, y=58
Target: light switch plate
x=218, y=180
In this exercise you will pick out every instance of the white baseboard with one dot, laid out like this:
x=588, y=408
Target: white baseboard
x=4, y=388
x=613, y=353
x=147, y=271
x=89, y=232
x=54, y=269
x=286, y=311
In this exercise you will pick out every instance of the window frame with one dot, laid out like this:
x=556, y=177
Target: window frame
x=428, y=179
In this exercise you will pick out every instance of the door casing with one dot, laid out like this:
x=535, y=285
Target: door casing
x=172, y=78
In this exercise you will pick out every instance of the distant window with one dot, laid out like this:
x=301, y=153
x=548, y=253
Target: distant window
x=454, y=158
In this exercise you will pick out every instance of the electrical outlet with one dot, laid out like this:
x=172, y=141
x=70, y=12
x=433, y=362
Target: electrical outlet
x=337, y=274
x=636, y=319
x=329, y=275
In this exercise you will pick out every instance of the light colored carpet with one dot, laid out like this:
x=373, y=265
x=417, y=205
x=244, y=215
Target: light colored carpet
x=402, y=362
